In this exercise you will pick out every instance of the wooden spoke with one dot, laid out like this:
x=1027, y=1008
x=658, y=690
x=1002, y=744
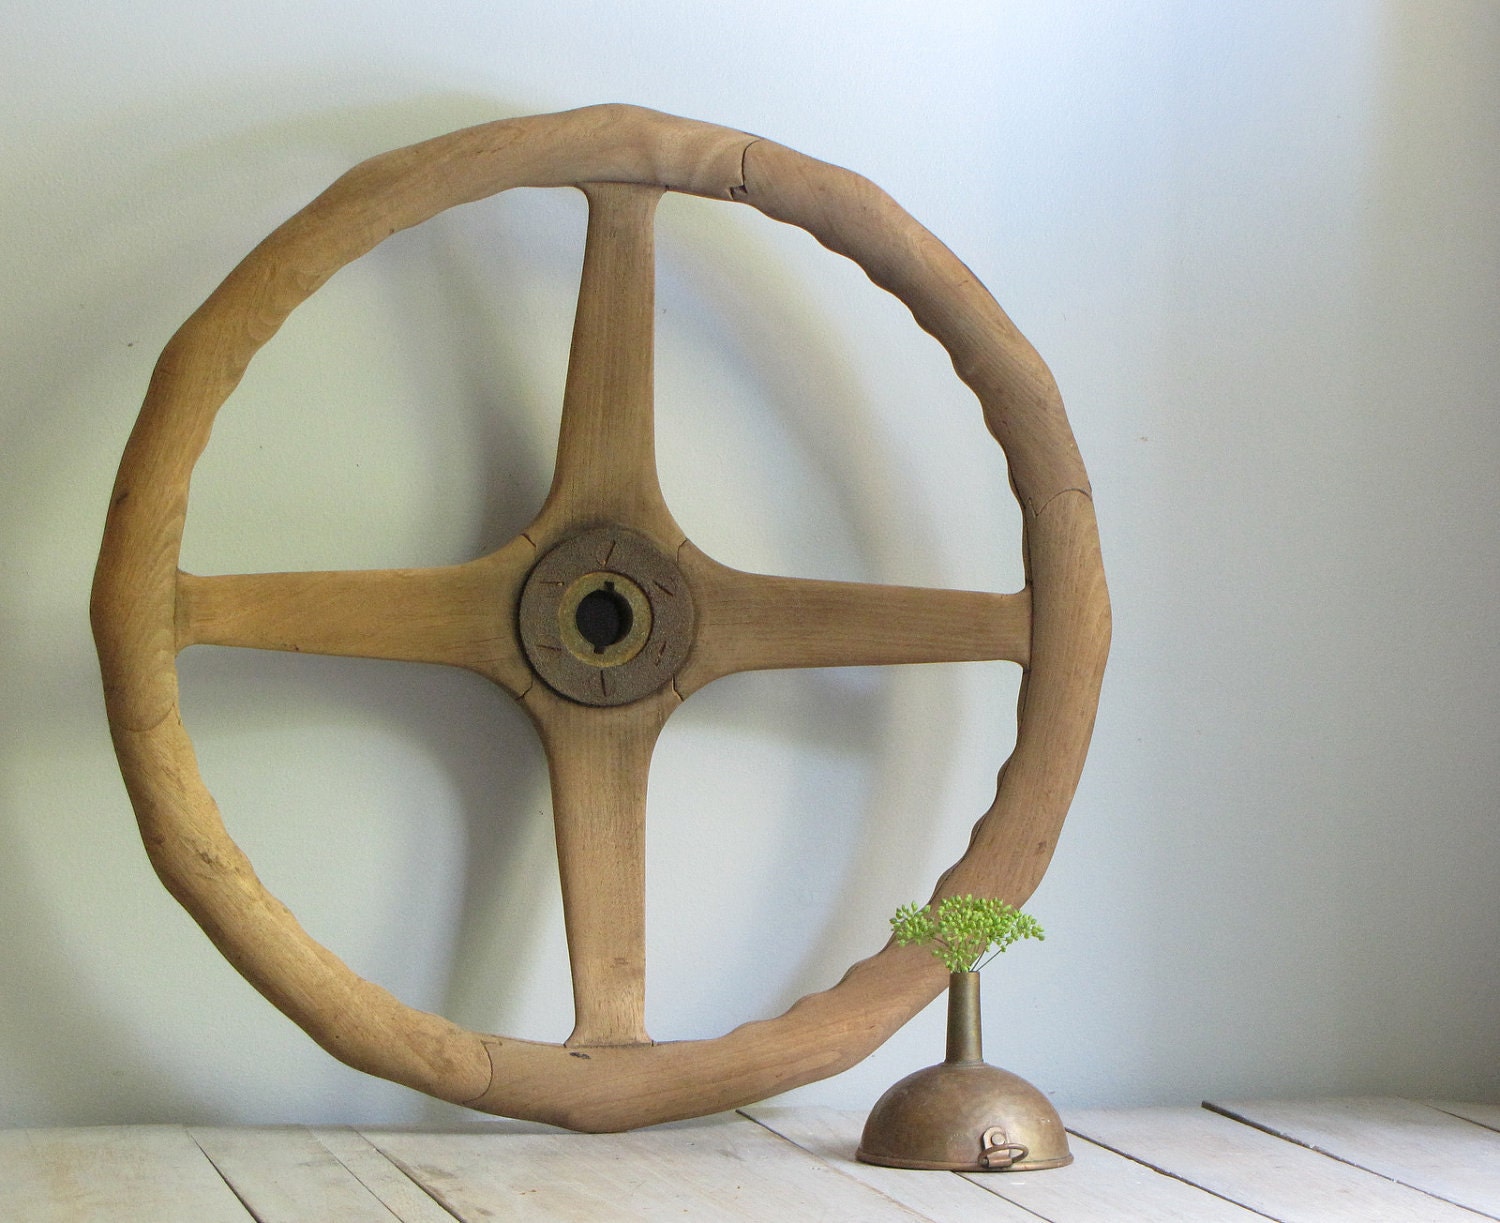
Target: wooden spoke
x=461, y=615
x=751, y=622
x=599, y=759
x=606, y=452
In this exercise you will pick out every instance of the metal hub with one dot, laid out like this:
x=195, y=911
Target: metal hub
x=606, y=617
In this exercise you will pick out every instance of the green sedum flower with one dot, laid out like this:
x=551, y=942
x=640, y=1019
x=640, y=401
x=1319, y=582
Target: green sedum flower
x=967, y=933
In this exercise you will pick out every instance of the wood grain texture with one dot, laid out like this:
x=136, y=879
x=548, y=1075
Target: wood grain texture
x=1099, y=1186
x=1442, y=1155
x=287, y=1174
x=756, y=622
x=599, y=761
x=111, y=1174
x=792, y=1163
x=832, y=1135
x=401, y=1195
x=1258, y=1170
x=456, y=615
x=144, y=611
x=721, y=1169
x=606, y=451
x=1487, y=1115
x=1013, y=841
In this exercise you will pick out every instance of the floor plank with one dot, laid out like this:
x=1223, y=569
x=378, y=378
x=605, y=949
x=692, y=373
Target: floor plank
x=1259, y=1171
x=1375, y=1161
x=1487, y=1115
x=1101, y=1186
x=111, y=1174
x=832, y=1136
x=405, y=1199
x=713, y=1169
x=284, y=1174
x=1098, y=1187
x=1450, y=1158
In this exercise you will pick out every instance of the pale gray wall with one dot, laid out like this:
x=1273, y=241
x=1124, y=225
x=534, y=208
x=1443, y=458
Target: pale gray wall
x=1259, y=245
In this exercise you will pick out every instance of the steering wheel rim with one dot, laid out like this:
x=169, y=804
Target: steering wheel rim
x=609, y=1075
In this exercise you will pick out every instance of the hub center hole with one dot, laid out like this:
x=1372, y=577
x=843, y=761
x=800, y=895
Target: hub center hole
x=603, y=617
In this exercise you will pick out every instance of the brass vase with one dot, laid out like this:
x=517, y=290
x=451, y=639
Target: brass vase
x=964, y=1115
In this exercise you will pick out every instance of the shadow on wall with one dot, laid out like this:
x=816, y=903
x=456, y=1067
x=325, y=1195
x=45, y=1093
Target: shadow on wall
x=99, y=230
x=477, y=741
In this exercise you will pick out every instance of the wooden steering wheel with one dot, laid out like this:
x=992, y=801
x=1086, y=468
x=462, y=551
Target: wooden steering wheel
x=600, y=618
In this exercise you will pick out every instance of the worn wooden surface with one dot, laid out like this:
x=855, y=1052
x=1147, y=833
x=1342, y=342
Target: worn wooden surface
x=607, y=1074
x=1194, y=1165
x=1100, y=1186
x=1487, y=1115
x=1277, y=1177
x=1445, y=1156
x=112, y=1172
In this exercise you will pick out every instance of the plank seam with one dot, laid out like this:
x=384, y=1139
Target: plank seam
x=219, y=1172
x=998, y=1191
x=370, y=1189
x=1308, y=1145
x=401, y=1167
x=1146, y=1163
x=1460, y=1117
x=834, y=1168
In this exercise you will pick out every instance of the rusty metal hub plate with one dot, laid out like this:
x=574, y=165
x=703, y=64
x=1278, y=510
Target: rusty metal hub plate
x=606, y=617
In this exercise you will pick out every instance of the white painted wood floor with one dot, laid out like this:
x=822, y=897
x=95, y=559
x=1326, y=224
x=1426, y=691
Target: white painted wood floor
x=1319, y=1161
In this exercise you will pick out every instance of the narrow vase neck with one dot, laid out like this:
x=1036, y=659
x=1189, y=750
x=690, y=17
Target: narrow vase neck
x=965, y=1040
